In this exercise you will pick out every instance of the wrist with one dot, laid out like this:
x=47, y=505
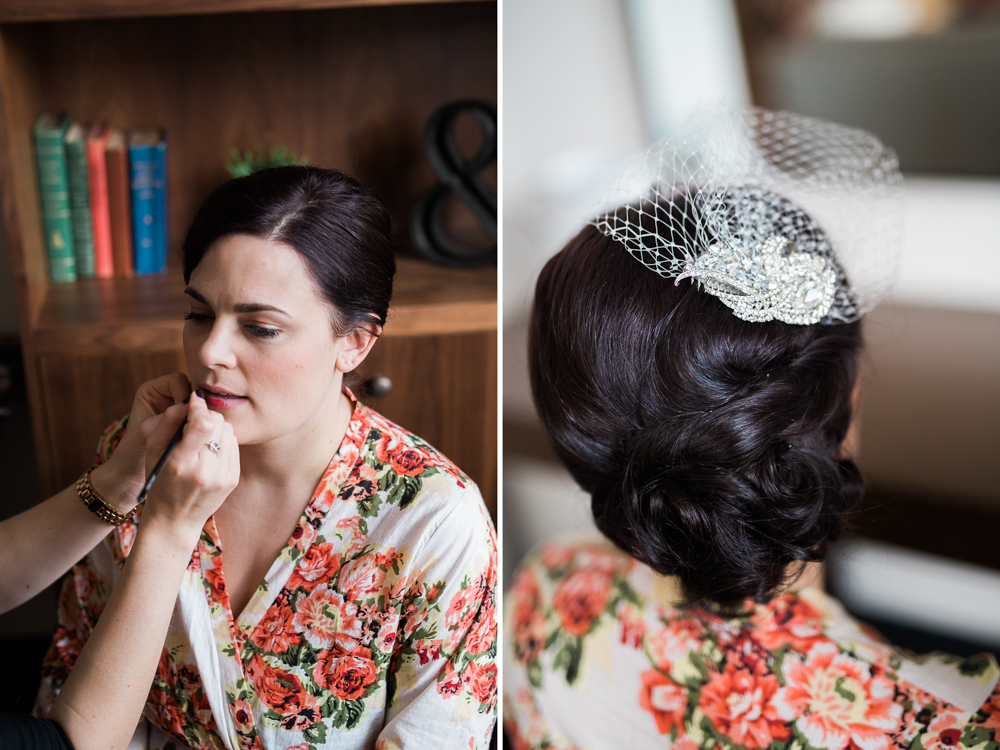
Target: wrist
x=170, y=534
x=116, y=490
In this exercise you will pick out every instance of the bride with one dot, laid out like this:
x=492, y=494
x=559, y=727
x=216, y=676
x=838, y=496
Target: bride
x=343, y=595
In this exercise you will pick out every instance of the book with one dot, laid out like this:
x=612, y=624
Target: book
x=53, y=188
x=79, y=200
x=147, y=150
x=119, y=202
x=100, y=218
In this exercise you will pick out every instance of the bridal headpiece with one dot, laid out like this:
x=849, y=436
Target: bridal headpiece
x=780, y=216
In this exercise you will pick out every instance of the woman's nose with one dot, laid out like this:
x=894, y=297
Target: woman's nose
x=217, y=350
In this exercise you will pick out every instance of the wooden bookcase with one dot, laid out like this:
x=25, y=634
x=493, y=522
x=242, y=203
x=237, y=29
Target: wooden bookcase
x=351, y=84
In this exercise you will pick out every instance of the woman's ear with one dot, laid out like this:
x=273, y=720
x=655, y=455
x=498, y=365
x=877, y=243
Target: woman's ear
x=354, y=346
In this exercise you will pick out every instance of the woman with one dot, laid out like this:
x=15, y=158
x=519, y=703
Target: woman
x=344, y=594
x=98, y=706
x=708, y=421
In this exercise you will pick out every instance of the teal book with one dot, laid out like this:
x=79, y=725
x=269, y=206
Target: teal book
x=79, y=200
x=147, y=156
x=53, y=187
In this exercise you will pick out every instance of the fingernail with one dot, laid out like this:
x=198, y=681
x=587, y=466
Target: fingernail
x=200, y=394
x=186, y=400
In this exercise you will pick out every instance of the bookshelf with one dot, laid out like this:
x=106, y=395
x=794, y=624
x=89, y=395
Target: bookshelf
x=351, y=84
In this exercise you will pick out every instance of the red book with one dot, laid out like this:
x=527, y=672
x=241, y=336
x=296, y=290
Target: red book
x=119, y=202
x=97, y=173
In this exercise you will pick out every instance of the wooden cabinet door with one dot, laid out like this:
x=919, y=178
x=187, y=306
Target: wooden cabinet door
x=81, y=396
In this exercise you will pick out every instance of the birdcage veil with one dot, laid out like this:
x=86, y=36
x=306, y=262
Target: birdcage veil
x=780, y=216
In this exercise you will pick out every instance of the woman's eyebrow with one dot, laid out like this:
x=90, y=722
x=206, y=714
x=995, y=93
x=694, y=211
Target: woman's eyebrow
x=242, y=307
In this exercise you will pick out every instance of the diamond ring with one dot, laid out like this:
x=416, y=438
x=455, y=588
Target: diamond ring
x=214, y=446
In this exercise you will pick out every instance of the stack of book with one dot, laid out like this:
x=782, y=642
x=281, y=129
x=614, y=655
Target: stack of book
x=104, y=199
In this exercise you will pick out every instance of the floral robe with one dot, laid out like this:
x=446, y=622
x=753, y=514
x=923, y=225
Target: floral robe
x=597, y=657
x=376, y=626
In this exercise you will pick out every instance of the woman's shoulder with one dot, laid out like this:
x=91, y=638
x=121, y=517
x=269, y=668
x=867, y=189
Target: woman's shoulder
x=401, y=472
x=406, y=454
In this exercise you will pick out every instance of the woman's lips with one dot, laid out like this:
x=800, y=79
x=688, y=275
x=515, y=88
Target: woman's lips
x=221, y=400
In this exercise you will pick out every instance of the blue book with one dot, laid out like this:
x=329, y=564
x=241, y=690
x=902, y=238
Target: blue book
x=147, y=157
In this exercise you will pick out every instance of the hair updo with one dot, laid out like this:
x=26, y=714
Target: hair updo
x=710, y=445
x=340, y=229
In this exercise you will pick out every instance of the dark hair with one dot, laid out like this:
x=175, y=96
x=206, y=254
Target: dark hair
x=710, y=445
x=340, y=229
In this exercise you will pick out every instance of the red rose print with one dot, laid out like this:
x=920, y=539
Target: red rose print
x=788, y=620
x=216, y=585
x=663, y=698
x=739, y=704
x=276, y=631
x=168, y=712
x=243, y=716
x=403, y=459
x=317, y=566
x=347, y=676
x=581, y=597
x=482, y=683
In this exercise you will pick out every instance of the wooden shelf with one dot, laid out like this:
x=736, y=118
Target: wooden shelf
x=24, y=11
x=123, y=315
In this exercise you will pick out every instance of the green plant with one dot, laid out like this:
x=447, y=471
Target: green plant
x=240, y=165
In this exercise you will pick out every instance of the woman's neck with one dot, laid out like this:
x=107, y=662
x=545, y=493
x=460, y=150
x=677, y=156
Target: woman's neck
x=301, y=456
x=811, y=577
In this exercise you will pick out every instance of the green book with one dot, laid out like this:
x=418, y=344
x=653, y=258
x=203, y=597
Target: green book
x=79, y=200
x=53, y=185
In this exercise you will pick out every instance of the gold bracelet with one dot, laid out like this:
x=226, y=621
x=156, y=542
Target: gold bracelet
x=97, y=504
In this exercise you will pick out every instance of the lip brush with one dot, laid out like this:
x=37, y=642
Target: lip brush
x=163, y=459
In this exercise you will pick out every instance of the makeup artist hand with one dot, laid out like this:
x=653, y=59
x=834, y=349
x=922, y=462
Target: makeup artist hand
x=104, y=694
x=121, y=478
x=195, y=480
x=40, y=544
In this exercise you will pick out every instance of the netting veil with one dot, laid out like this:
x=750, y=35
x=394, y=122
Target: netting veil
x=780, y=216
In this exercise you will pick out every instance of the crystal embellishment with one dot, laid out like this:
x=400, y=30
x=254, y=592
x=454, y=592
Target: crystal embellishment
x=767, y=282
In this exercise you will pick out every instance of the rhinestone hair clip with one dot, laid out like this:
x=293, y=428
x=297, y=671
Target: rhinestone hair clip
x=765, y=283
x=782, y=217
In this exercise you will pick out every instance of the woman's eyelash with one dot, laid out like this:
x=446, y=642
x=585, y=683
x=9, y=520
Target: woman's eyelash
x=262, y=332
x=258, y=331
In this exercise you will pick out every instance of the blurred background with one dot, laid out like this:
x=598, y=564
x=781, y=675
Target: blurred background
x=588, y=83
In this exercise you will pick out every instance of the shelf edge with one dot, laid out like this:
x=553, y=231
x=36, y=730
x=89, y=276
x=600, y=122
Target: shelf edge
x=29, y=11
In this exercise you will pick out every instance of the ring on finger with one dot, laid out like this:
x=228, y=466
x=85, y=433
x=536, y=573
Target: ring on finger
x=214, y=446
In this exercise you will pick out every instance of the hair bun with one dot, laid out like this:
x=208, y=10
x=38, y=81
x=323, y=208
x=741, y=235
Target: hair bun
x=710, y=445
